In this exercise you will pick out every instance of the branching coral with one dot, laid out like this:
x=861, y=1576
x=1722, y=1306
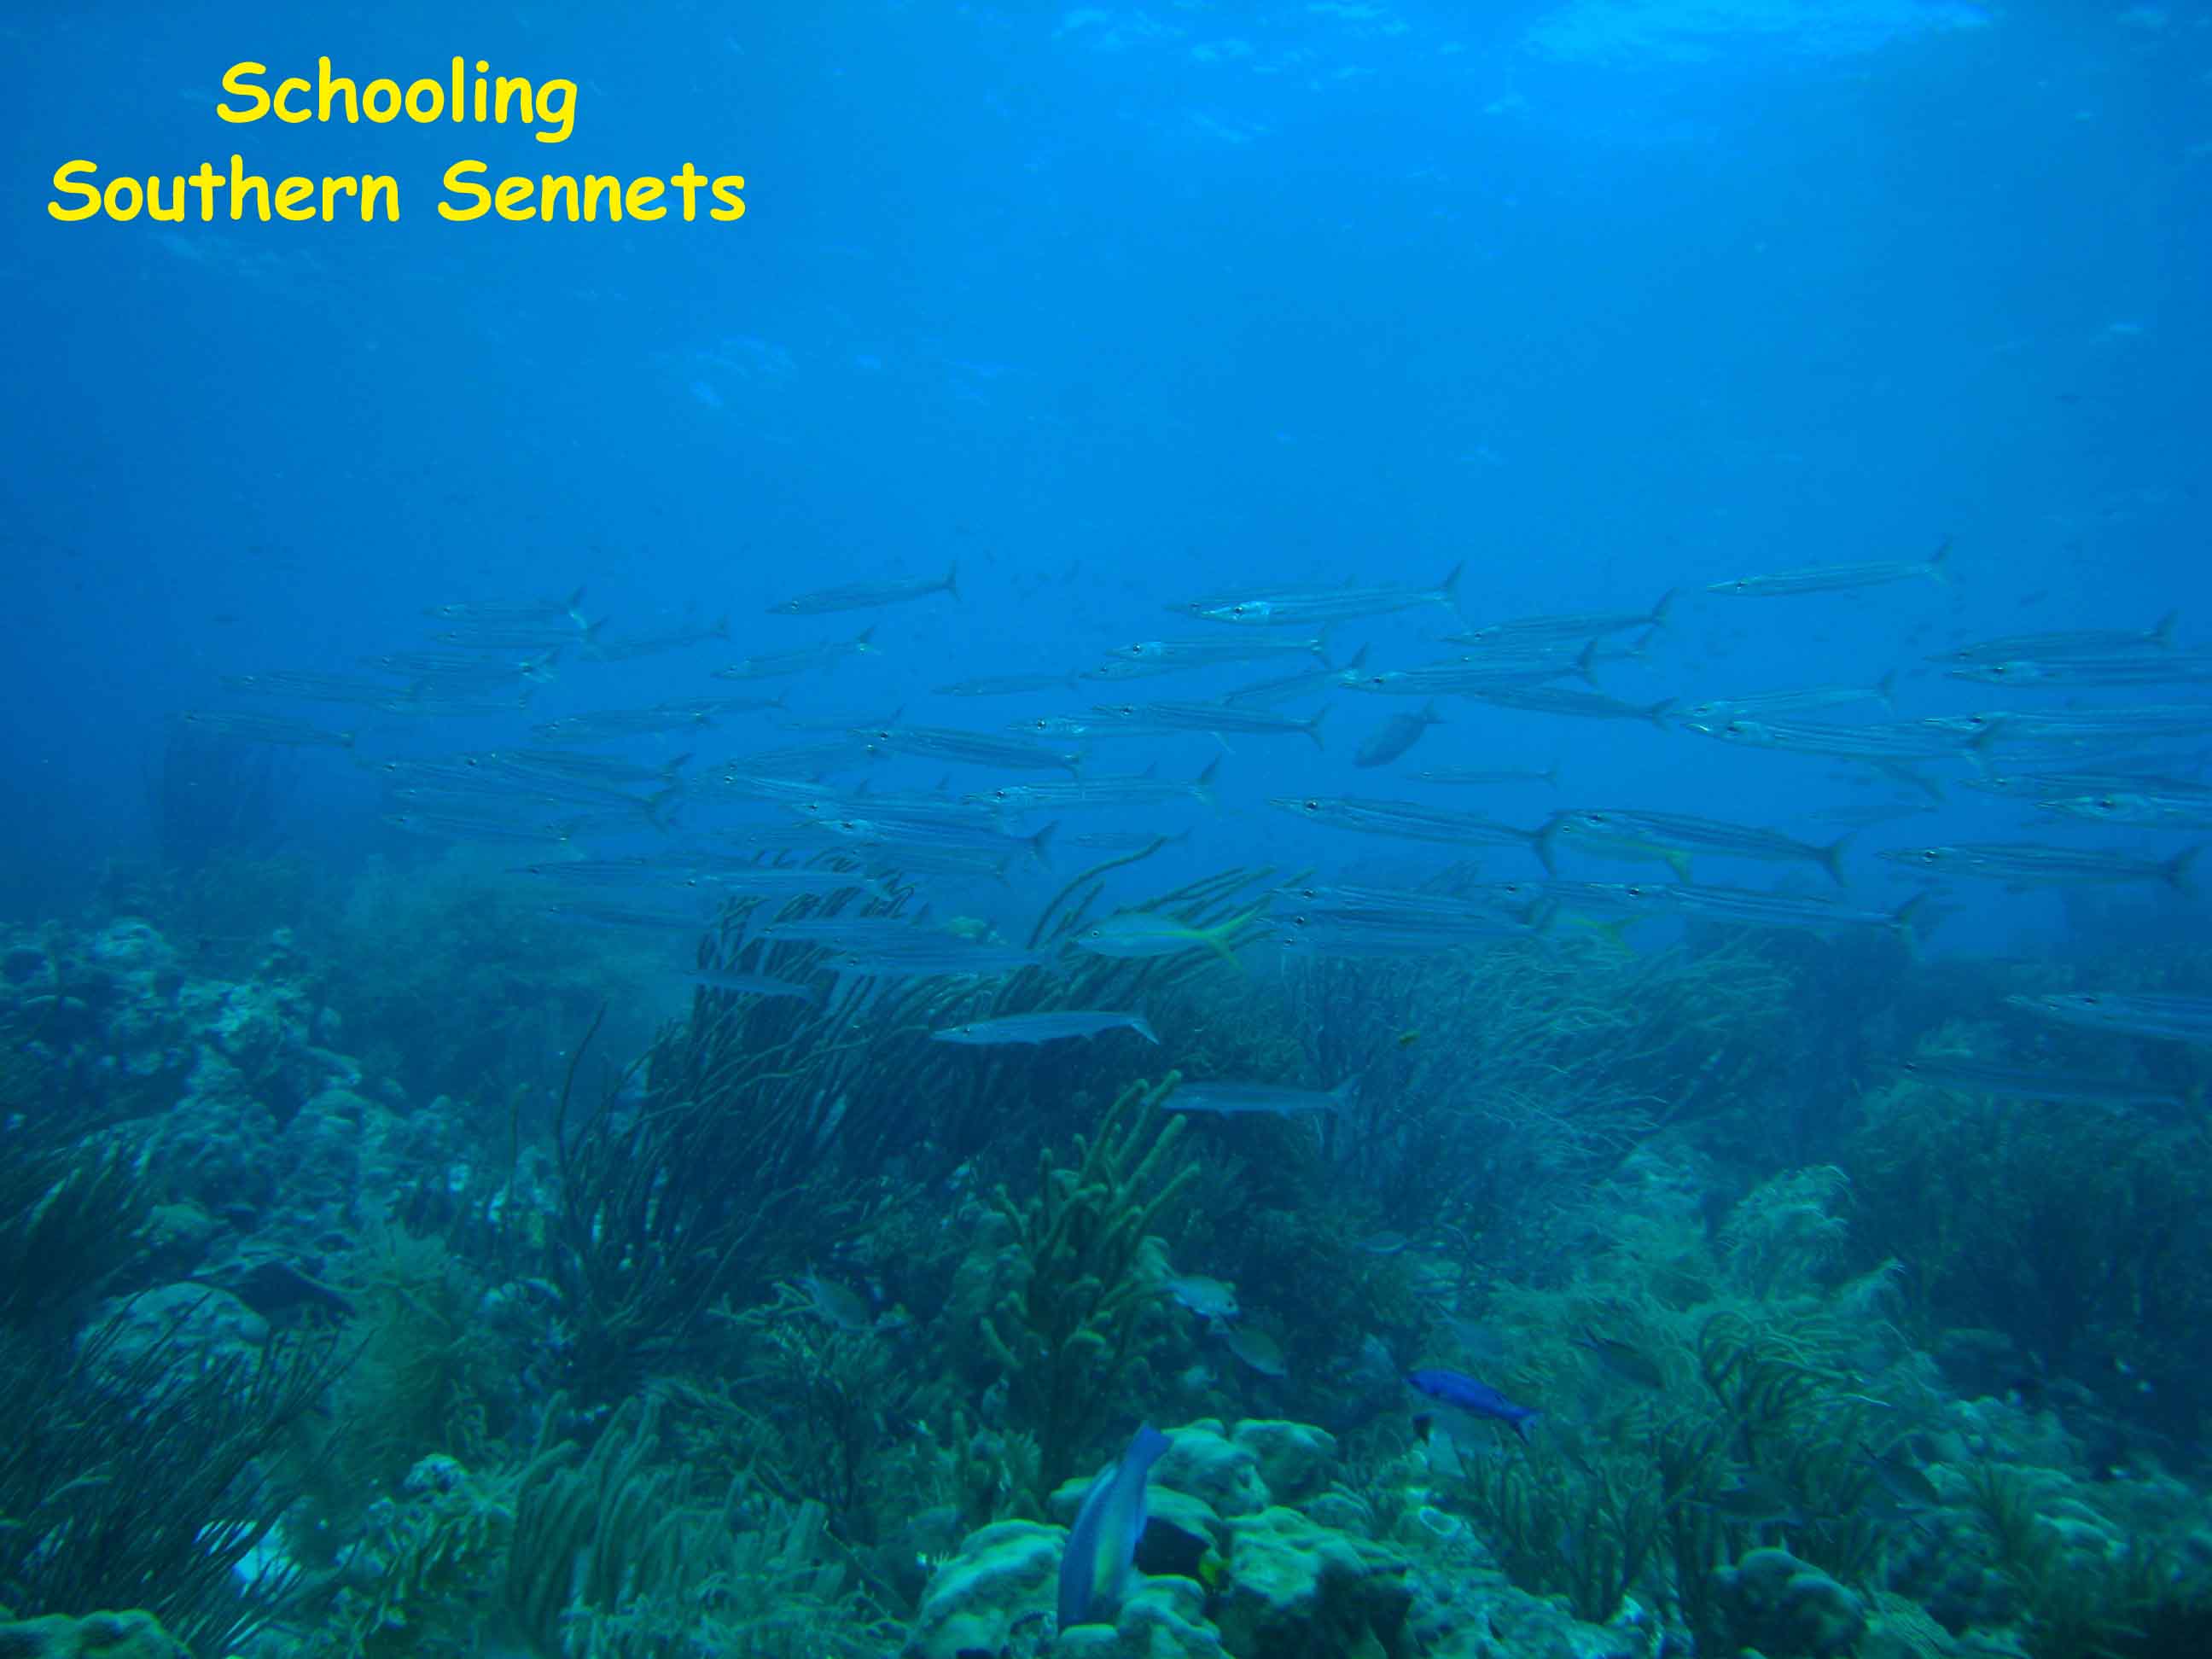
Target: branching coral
x=1087, y=1267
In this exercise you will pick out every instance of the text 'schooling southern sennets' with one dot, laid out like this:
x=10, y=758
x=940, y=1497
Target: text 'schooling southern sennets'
x=81, y=191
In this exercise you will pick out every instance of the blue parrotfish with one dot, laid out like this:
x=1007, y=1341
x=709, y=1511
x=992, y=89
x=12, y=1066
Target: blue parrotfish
x=1102, y=1545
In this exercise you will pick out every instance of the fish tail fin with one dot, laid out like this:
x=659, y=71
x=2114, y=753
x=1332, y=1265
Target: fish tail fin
x=1884, y=690
x=952, y=579
x=1202, y=785
x=1551, y=775
x=1659, y=612
x=1935, y=561
x=1658, y=712
x=574, y=607
x=1040, y=844
x=1541, y=841
x=860, y=639
x=1358, y=659
x=655, y=804
x=2162, y=635
x=1831, y=859
x=2176, y=871
x=671, y=768
x=1143, y=1028
x=1522, y=1424
x=1904, y=921
x=720, y=630
x=1586, y=663
x=1448, y=590
x=1346, y=1092
x=1679, y=861
x=590, y=630
x=1312, y=728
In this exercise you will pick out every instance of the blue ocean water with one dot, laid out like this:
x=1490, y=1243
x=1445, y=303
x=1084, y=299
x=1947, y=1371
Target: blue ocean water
x=1107, y=310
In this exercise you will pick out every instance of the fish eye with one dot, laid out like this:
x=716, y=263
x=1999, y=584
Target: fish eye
x=2107, y=804
x=1313, y=806
x=1929, y=855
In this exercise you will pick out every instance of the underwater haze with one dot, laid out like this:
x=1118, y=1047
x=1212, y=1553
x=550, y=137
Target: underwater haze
x=1285, y=829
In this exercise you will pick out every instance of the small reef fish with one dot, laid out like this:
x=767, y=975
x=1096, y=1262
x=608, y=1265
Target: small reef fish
x=1624, y=1359
x=838, y=1304
x=1462, y=1393
x=1209, y=1298
x=1254, y=1348
x=1395, y=736
x=1238, y=1099
x=1837, y=577
x=861, y=596
x=1041, y=1028
x=1102, y=1545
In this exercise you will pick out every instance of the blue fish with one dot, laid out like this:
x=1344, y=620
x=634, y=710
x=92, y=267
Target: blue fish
x=1462, y=1393
x=1102, y=1545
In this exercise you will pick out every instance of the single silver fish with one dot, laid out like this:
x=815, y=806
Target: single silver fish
x=861, y=596
x=1319, y=606
x=1587, y=625
x=2008, y=1082
x=1394, y=737
x=1215, y=717
x=752, y=985
x=654, y=645
x=1226, y=1099
x=776, y=664
x=1047, y=1027
x=1003, y=685
x=1407, y=820
x=1479, y=775
x=974, y=748
x=2029, y=864
x=2048, y=647
x=2179, y=1019
x=511, y=611
x=1836, y=578
x=1672, y=836
x=1762, y=705
x=263, y=728
x=1136, y=935
x=1586, y=705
